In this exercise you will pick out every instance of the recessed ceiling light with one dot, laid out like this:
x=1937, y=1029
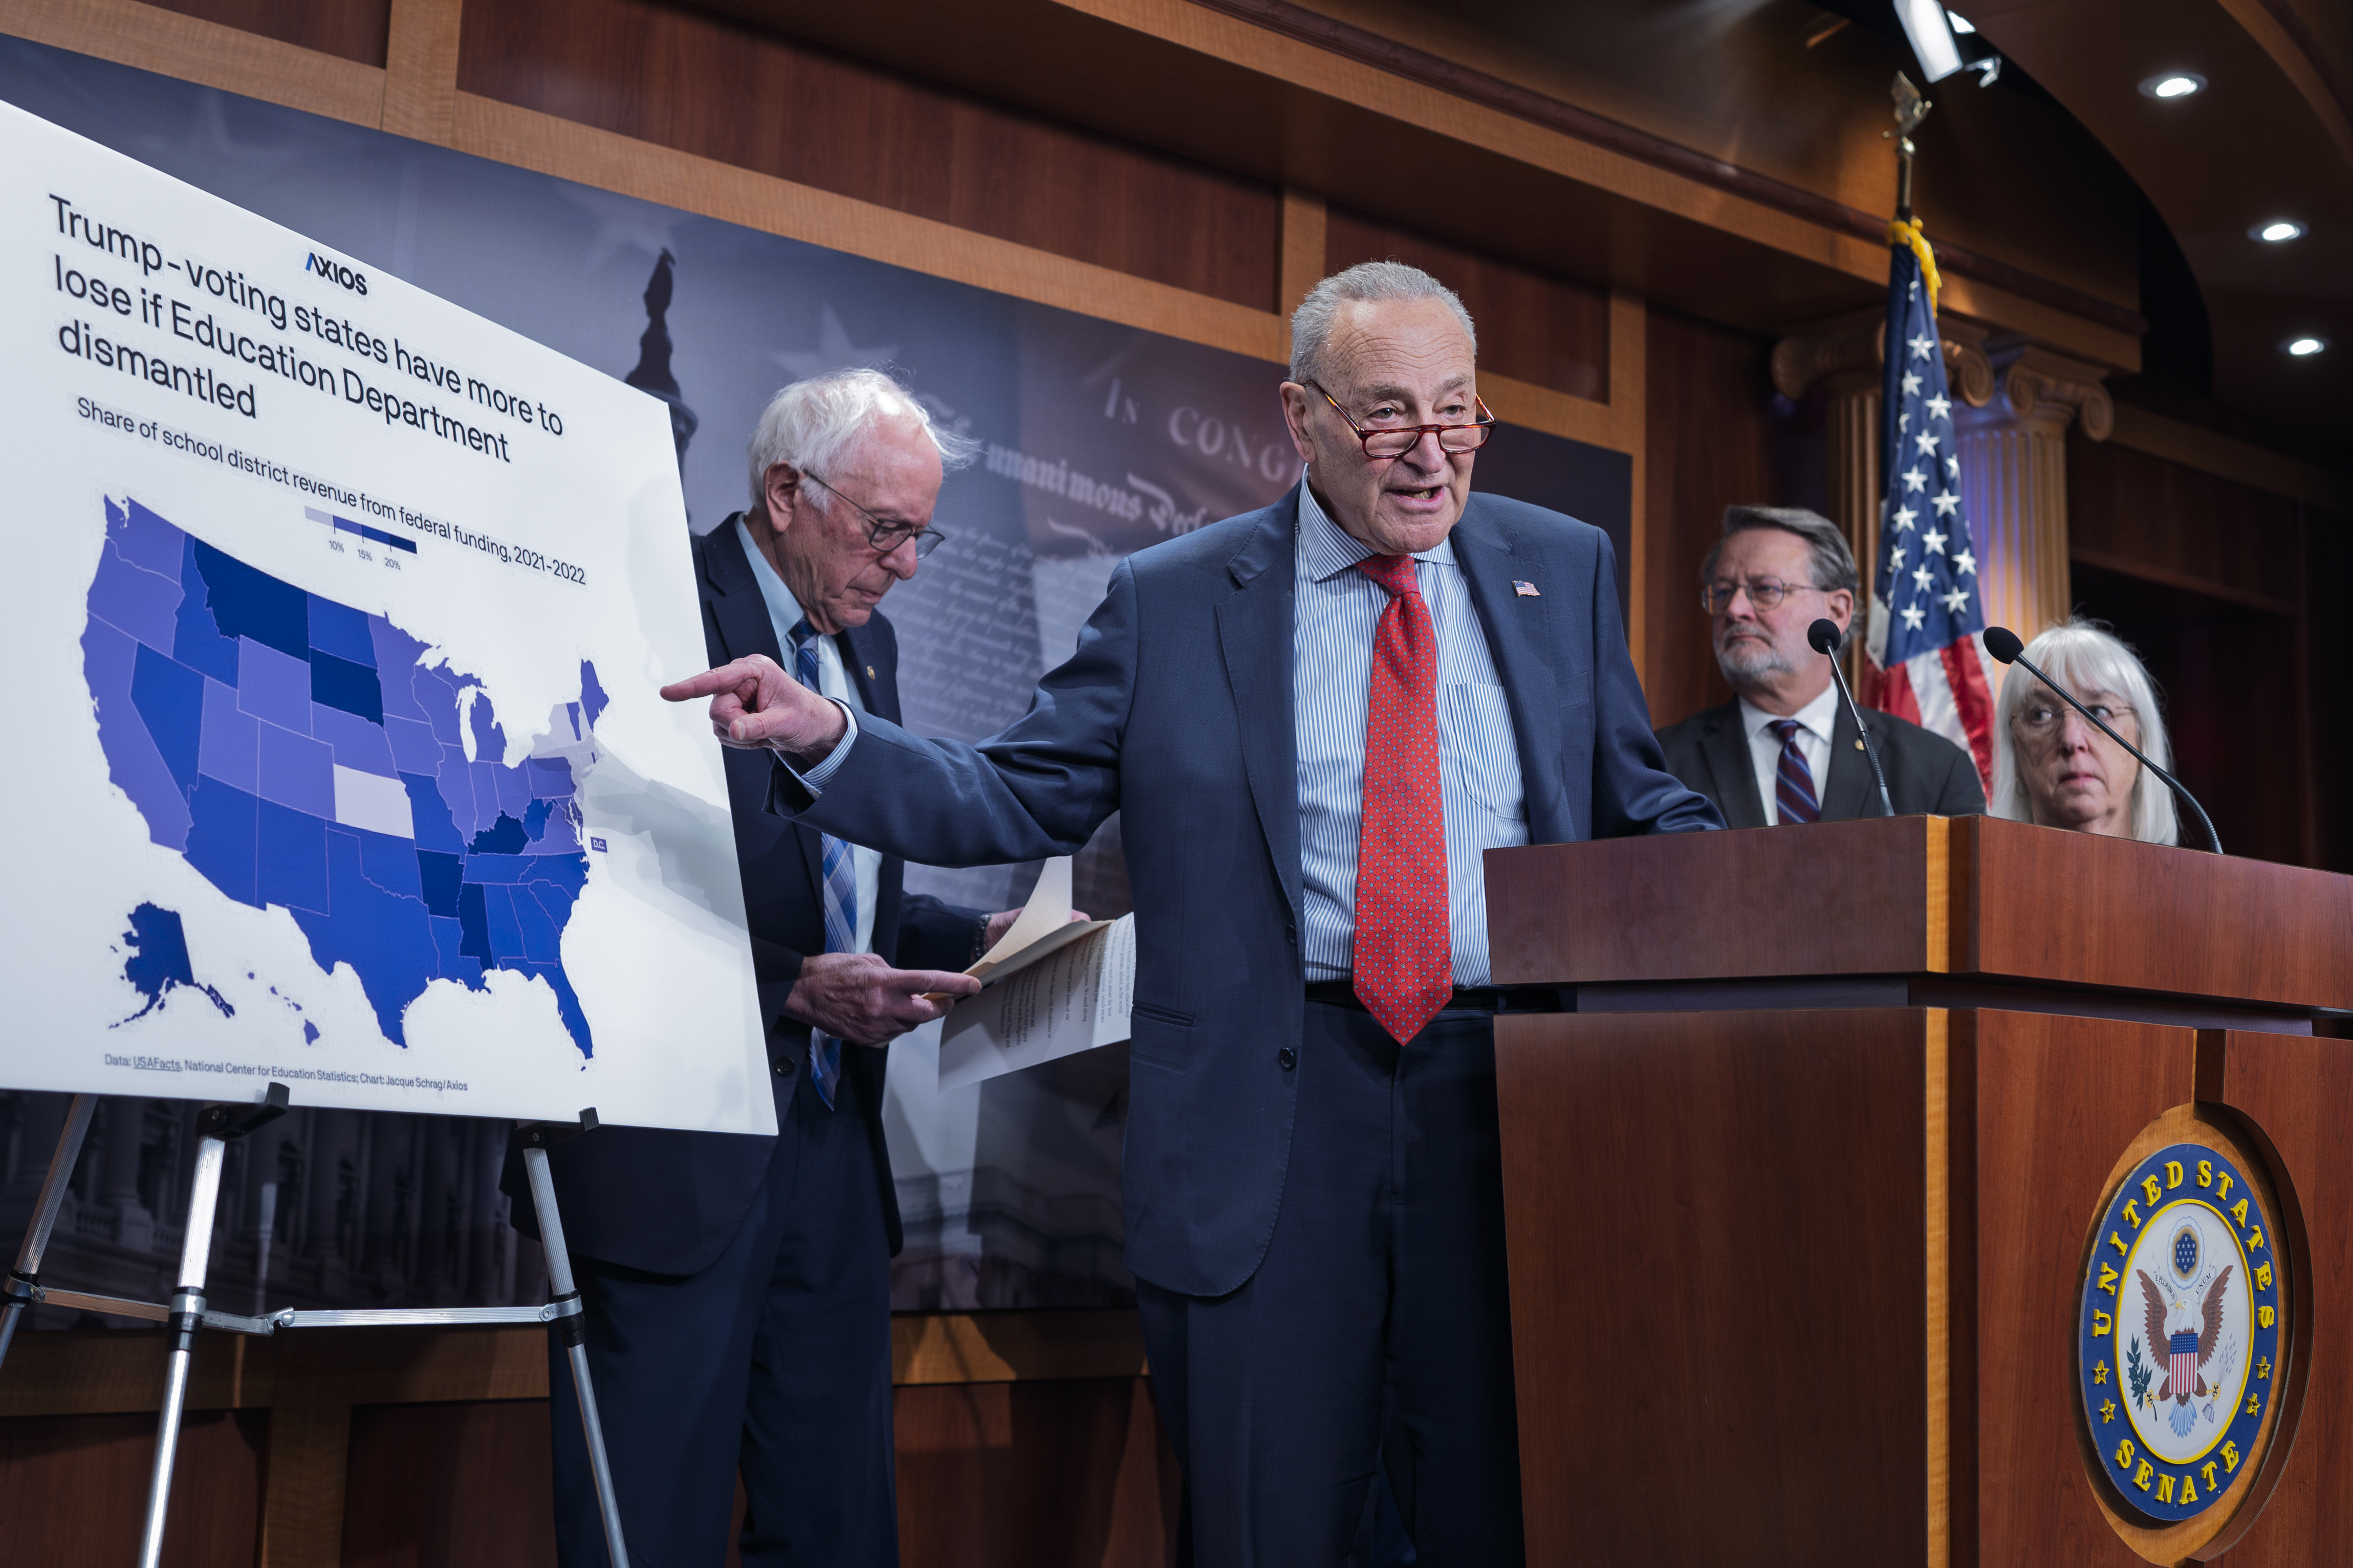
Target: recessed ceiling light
x=2173, y=84
x=2305, y=348
x=2278, y=231
x=1960, y=23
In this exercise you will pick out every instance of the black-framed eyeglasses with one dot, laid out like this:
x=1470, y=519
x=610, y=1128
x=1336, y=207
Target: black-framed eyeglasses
x=885, y=534
x=1396, y=440
x=1765, y=593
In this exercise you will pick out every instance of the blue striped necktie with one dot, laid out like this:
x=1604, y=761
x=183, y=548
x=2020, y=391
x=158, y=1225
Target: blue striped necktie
x=1793, y=782
x=841, y=888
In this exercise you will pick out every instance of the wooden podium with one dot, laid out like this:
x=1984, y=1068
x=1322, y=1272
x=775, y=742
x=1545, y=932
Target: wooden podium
x=1801, y=1197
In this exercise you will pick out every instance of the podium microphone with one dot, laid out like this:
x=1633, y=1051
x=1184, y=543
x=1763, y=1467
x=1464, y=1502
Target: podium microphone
x=2003, y=643
x=1824, y=636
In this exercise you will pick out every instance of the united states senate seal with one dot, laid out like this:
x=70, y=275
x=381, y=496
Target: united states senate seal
x=2177, y=1346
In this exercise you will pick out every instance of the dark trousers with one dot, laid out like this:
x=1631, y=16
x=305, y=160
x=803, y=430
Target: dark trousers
x=775, y=1360
x=1384, y=1282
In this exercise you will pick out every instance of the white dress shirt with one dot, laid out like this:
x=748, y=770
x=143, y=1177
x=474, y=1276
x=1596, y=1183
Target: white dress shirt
x=1815, y=720
x=1481, y=791
x=785, y=613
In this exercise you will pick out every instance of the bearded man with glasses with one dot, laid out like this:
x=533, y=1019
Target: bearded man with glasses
x=1784, y=749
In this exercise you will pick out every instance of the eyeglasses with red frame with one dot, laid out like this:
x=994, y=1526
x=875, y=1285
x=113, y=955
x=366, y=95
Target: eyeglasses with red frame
x=1386, y=441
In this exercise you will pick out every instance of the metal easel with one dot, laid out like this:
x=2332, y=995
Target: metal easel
x=186, y=1313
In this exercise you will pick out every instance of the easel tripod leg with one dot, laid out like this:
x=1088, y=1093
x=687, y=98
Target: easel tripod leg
x=18, y=1292
x=566, y=1299
x=187, y=1316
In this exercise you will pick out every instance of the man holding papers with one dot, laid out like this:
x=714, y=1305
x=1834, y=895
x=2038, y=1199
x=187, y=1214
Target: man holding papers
x=1315, y=718
x=738, y=1288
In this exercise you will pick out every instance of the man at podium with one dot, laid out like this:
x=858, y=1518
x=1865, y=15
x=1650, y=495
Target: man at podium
x=1314, y=719
x=1784, y=749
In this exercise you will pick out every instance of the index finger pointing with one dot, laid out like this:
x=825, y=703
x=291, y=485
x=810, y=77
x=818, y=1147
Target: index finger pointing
x=726, y=677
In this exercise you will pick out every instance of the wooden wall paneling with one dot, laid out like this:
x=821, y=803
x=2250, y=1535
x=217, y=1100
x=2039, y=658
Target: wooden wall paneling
x=309, y=1443
x=420, y=88
x=2058, y=1100
x=2210, y=452
x=1034, y=1474
x=2291, y=1093
x=2329, y=564
x=73, y=1488
x=449, y=1486
x=1707, y=444
x=1539, y=327
x=1716, y=1223
x=1303, y=264
x=348, y=30
x=719, y=89
x=192, y=49
x=2129, y=511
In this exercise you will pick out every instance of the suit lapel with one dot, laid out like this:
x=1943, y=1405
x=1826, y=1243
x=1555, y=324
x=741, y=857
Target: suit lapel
x=745, y=627
x=1255, y=633
x=1848, y=794
x=1725, y=745
x=863, y=660
x=1519, y=634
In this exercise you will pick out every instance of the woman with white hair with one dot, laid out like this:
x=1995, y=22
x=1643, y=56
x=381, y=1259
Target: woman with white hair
x=2053, y=767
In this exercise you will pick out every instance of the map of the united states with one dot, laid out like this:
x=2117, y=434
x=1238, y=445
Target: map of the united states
x=298, y=752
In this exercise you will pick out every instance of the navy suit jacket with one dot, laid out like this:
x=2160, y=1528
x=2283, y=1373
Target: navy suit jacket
x=1176, y=711
x=1927, y=774
x=669, y=1202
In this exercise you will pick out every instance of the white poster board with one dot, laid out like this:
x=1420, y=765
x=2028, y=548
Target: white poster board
x=333, y=617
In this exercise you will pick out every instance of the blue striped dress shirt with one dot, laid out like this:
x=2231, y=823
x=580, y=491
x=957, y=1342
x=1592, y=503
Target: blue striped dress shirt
x=1482, y=793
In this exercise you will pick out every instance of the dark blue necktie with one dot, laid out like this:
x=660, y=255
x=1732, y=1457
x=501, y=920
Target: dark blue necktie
x=841, y=888
x=1793, y=782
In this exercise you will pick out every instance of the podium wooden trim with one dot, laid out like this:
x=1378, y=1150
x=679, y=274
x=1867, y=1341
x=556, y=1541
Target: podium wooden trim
x=1798, y=1196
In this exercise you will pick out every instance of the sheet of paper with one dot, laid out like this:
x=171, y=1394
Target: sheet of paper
x=1075, y=1000
x=1047, y=910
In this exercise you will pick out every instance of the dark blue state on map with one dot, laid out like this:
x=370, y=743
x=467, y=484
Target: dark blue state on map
x=299, y=752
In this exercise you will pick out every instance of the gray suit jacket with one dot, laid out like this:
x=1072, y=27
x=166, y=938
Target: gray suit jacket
x=1928, y=775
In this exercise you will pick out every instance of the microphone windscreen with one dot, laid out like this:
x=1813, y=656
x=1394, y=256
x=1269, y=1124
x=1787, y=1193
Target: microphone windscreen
x=1824, y=636
x=2003, y=643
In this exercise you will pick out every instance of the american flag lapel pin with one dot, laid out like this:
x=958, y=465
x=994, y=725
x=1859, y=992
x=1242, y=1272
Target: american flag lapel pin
x=1525, y=590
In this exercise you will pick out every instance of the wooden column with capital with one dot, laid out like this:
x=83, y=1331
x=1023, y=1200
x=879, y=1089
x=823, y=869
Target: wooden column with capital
x=2013, y=451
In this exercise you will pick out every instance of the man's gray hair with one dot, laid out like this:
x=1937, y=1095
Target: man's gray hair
x=1832, y=567
x=817, y=426
x=1310, y=324
x=2085, y=657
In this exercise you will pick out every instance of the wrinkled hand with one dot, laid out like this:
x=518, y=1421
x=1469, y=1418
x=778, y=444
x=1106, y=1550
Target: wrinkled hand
x=755, y=705
x=1002, y=922
x=856, y=997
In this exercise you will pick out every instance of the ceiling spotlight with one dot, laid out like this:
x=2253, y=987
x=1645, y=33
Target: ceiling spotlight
x=2173, y=84
x=2278, y=231
x=1932, y=38
x=2305, y=348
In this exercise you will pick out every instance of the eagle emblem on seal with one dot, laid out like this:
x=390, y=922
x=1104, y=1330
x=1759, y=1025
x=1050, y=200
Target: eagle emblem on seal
x=2189, y=1334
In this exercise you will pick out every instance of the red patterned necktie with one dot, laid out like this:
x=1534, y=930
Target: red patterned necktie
x=1405, y=965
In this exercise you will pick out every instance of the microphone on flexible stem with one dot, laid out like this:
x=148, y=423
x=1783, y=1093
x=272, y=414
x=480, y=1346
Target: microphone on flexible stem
x=1824, y=636
x=2003, y=643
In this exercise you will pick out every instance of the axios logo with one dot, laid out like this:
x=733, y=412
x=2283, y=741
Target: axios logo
x=351, y=277
x=2178, y=1343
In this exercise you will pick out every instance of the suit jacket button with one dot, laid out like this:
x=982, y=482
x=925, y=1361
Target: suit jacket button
x=1291, y=933
x=784, y=1067
x=1288, y=1058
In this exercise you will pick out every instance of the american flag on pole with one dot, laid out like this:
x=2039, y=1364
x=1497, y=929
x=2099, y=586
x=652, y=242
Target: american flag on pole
x=1925, y=608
